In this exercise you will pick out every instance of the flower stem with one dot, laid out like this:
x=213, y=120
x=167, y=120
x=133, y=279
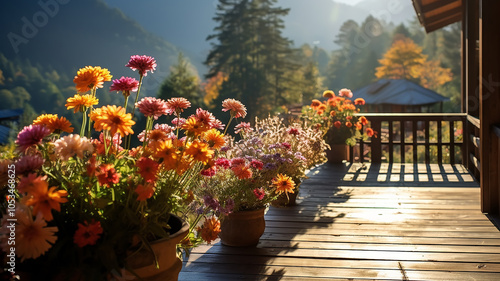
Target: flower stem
x=129, y=137
x=229, y=122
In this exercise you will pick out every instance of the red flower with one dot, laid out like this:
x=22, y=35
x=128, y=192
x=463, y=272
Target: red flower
x=87, y=234
x=257, y=164
x=259, y=193
x=337, y=124
x=107, y=175
x=363, y=120
x=144, y=191
x=148, y=169
x=371, y=133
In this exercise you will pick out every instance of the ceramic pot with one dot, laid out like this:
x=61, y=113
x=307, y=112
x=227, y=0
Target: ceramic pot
x=338, y=153
x=243, y=228
x=165, y=250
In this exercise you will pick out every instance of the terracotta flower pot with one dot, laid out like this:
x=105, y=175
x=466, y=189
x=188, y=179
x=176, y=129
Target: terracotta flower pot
x=284, y=201
x=243, y=229
x=169, y=265
x=338, y=153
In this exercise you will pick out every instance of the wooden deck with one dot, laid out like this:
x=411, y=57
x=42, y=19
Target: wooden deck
x=378, y=222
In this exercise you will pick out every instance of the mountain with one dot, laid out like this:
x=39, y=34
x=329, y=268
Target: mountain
x=187, y=23
x=68, y=35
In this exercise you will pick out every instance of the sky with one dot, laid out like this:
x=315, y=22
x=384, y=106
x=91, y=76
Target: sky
x=350, y=2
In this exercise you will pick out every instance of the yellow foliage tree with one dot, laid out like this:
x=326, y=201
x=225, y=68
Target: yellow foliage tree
x=404, y=60
x=212, y=87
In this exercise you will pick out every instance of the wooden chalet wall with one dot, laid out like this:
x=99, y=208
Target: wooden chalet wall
x=480, y=85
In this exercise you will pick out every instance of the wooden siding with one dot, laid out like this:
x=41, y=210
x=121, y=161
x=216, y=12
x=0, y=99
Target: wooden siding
x=373, y=222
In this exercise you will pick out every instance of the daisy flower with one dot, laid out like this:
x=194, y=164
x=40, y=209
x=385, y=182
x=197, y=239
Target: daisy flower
x=114, y=119
x=45, y=199
x=283, y=183
x=91, y=78
x=87, y=234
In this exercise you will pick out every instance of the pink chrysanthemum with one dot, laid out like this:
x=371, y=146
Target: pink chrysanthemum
x=178, y=105
x=243, y=127
x=223, y=162
x=217, y=124
x=73, y=146
x=124, y=85
x=238, y=162
x=178, y=122
x=28, y=164
x=153, y=107
x=31, y=135
x=236, y=108
x=205, y=117
x=142, y=63
x=345, y=93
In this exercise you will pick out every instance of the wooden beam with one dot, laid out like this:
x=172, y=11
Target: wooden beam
x=489, y=99
x=436, y=5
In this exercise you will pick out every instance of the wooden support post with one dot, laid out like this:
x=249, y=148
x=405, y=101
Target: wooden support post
x=489, y=100
x=376, y=143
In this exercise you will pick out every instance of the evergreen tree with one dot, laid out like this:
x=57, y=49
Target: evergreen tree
x=254, y=54
x=182, y=83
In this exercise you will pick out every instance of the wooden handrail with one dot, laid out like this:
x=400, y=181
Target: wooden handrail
x=420, y=124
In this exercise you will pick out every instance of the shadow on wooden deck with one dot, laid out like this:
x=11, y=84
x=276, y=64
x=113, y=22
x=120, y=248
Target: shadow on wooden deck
x=373, y=222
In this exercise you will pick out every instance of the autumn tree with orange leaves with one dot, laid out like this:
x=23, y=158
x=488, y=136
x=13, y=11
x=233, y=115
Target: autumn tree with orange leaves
x=405, y=60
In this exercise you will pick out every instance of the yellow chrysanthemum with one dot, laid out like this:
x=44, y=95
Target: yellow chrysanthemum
x=214, y=138
x=54, y=123
x=283, y=183
x=80, y=102
x=114, y=119
x=167, y=151
x=194, y=126
x=199, y=151
x=90, y=78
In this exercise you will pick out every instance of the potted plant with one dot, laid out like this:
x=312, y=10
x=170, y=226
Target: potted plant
x=305, y=149
x=91, y=208
x=247, y=176
x=336, y=117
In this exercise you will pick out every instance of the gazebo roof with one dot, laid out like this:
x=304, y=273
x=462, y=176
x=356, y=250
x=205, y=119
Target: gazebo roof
x=398, y=91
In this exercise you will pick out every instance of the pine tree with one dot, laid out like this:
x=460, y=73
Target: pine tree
x=182, y=83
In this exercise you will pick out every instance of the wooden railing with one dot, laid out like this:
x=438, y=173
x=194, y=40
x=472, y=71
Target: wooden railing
x=414, y=138
x=472, y=158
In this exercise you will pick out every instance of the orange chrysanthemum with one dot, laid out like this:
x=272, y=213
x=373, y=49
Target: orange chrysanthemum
x=199, y=151
x=371, y=133
x=363, y=120
x=114, y=119
x=91, y=78
x=44, y=199
x=348, y=124
x=283, y=183
x=33, y=237
x=333, y=113
x=236, y=108
x=242, y=171
x=359, y=101
x=167, y=151
x=194, y=127
x=210, y=229
x=358, y=126
x=214, y=138
x=315, y=104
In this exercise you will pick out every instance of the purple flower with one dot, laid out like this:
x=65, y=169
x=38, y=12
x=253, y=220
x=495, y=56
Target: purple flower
x=228, y=208
x=31, y=135
x=269, y=166
x=124, y=85
x=211, y=202
x=142, y=63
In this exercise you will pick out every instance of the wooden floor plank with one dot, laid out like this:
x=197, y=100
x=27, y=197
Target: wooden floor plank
x=350, y=225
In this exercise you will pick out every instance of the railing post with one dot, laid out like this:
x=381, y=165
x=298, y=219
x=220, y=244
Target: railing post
x=376, y=143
